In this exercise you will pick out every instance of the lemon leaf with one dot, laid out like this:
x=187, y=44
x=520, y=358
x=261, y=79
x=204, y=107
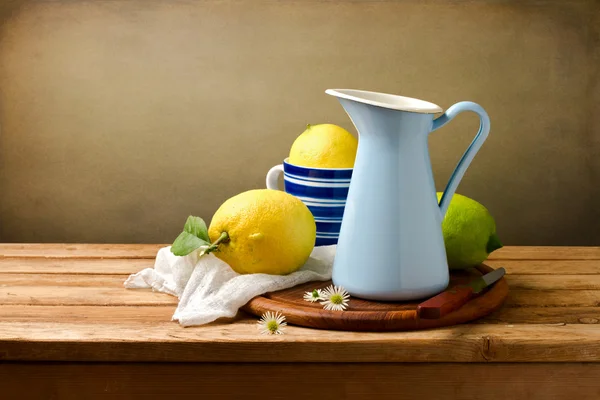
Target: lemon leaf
x=197, y=227
x=186, y=243
x=194, y=236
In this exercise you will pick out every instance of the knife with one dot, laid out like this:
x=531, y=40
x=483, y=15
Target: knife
x=455, y=297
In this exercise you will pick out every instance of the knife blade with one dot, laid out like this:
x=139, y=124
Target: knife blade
x=452, y=299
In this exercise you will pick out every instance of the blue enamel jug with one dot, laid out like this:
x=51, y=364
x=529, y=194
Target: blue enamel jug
x=390, y=245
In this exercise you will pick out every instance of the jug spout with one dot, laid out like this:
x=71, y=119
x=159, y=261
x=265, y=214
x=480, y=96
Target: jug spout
x=387, y=118
x=385, y=100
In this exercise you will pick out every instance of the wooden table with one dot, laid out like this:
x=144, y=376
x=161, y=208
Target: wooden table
x=70, y=330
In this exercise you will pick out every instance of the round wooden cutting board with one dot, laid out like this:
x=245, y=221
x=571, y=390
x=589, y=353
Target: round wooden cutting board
x=365, y=315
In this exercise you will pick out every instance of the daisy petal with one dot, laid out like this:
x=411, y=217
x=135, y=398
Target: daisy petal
x=272, y=323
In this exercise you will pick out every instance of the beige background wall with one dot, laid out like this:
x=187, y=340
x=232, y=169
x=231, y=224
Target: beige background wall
x=120, y=118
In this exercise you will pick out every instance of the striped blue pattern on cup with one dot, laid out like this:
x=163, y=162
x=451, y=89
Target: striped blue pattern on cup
x=324, y=191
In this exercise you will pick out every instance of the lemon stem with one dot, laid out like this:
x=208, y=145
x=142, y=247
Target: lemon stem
x=224, y=238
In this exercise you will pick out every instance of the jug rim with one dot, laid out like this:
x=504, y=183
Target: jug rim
x=386, y=100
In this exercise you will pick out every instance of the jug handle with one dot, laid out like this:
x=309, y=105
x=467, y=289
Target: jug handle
x=467, y=157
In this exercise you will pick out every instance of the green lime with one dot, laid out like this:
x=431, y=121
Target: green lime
x=469, y=232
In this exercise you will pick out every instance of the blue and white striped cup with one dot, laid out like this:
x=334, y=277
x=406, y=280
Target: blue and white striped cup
x=323, y=190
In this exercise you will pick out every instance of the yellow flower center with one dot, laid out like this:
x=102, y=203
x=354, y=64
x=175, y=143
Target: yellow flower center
x=336, y=299
x=272, y=326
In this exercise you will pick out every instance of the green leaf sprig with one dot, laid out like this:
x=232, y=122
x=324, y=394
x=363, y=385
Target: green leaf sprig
x=195, y=236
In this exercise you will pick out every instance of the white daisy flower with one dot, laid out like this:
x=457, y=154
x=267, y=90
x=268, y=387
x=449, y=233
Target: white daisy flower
x=335, y=298
x=272, y=323
x=313, y=296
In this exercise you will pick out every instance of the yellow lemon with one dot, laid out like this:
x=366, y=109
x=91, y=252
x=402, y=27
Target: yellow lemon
x=324, y=146
x=269, y=231
x=469, y=232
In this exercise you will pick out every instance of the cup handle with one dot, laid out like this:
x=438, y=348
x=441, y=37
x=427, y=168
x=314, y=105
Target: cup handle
x=273, y=177
x=463, y=164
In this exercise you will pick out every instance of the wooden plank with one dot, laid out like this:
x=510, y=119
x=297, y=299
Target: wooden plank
x=159, y=314
x=547, y=253
x=552, y=298
x=61, y=280
x=241, y=342
x=28, y=265
x=557, y=282
x=116, y=294
x=76, y=381
x=547, y=267
x=79, y=250
x=129, y=266
x=87, y=314
x=542, y=315
x=73, y=295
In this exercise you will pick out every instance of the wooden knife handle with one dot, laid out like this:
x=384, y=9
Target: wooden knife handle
x=445, y=302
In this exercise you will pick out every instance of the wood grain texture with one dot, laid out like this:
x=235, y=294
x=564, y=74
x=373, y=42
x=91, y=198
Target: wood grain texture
x=158, y=314
x=364, y=315
x=240, y=341
x=131, y=381
x=75, y=296
x=547, y=267
x=83, y=250
x=96, y=266
x=127, y=266
x=543, y=315
x=547, y=253
x=117, y=295
x=79, y=250
x=556, y=282
x=73, y=307
x=553, y=298
x=85, y=280
x=87, y=314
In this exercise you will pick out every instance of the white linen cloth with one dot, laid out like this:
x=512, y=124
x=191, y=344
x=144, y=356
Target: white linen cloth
x=209, y=289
